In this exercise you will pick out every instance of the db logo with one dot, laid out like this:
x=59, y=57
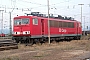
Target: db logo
x=62, y=30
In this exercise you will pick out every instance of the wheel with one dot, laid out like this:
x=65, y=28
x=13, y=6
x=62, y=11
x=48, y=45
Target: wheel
x=17, y=41
x=79, y=38
x=29, y=42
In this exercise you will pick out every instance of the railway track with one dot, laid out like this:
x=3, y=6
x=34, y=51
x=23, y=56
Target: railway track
x=7, y=45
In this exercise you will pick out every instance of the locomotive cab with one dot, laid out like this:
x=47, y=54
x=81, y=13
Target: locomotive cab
x=21, y=28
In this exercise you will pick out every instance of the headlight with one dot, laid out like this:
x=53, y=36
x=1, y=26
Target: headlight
x=16, y=32
x=26, y=32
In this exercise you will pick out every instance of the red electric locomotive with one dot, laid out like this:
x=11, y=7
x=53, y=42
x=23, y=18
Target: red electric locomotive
x=35, y=28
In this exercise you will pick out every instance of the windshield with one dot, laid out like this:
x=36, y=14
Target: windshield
x=17, y=22
x=21, y=21
x=25, y=21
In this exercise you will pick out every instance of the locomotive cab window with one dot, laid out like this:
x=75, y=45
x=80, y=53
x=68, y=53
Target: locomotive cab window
x=35, y=21
x=25, y=21
x=17, y=22
x=70, y=24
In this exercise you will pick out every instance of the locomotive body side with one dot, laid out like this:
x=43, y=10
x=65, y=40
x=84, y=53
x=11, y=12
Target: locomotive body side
x=65, y=28
x=39, y=27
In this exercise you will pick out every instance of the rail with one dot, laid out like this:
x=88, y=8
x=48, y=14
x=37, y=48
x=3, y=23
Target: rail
x=5, y=37
x=7, y=45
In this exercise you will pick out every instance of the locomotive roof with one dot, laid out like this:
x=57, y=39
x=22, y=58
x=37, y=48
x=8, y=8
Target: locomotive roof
x=19, y=17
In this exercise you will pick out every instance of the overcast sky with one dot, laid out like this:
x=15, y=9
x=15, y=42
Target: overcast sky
x=57, y=7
